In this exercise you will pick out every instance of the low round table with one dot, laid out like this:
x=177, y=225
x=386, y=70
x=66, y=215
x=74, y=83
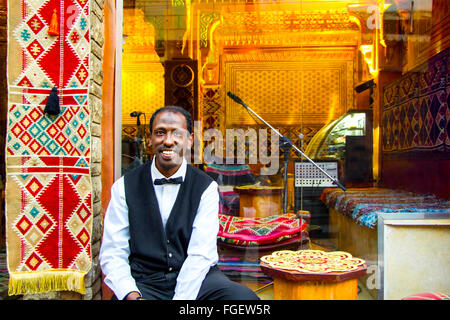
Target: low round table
x=313, y=274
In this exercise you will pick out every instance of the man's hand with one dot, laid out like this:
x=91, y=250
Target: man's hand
x=133, y=295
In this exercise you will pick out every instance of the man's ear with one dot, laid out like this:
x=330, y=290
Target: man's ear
x=191, y=140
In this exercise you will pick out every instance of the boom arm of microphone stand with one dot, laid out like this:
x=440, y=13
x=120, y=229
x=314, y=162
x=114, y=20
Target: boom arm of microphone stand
x=292, y=145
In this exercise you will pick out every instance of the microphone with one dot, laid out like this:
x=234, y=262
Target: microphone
x=136, y=113
x=236, y=98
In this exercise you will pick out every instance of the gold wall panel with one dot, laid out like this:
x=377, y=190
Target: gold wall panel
x=142, y=72
x=313, y=92
x=142, y=90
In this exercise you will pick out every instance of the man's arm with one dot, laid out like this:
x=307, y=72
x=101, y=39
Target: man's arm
x=202, y=249
x=115, y=250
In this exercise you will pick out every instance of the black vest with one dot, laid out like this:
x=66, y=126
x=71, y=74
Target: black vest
x=153, y=249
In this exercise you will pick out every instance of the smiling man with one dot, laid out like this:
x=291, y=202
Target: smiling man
x=160, y=228
x=171, y=136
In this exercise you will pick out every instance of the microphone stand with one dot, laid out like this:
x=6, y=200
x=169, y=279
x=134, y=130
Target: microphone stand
x=143, y=156
x=138, y=138
x=286, y=140
x=286, y=146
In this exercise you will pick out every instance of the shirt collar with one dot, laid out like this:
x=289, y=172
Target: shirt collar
x=181, y=172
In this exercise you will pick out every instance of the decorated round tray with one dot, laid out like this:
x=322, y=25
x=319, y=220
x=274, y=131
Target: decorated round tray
x=255, y=187
x=313, y=262
x=259, y=190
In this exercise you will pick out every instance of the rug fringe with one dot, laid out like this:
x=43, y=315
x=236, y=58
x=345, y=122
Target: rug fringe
x=46, y=281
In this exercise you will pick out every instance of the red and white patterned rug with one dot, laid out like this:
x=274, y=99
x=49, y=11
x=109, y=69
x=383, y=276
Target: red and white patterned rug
x=48, y=187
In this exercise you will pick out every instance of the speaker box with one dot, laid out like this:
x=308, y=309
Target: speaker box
x=358, y=159
x=182, y=84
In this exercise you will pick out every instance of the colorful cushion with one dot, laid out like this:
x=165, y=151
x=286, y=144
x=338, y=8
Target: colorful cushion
x=259, y=231
x=364, y=204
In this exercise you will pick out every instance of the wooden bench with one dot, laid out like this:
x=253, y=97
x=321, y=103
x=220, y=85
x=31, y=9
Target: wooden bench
x=354, y=217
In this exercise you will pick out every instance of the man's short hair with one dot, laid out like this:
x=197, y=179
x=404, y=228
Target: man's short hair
x=173, y=109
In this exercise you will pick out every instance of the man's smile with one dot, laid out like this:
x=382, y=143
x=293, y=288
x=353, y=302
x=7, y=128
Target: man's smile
x=168, y=154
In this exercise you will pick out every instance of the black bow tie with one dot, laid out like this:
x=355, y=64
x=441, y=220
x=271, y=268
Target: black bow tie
x=177, y=180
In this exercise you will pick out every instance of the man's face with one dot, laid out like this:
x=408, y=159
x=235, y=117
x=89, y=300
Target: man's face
x=169, y=141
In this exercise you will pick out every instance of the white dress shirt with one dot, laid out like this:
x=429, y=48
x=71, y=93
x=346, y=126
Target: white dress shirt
x=201, y=251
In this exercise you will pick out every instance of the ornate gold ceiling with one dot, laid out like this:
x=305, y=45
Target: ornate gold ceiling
x=279, y=25
x=287, y=28
x=305, y=50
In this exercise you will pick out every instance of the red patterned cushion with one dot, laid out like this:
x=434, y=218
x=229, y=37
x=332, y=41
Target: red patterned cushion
x=428, y=296
x=258, y=231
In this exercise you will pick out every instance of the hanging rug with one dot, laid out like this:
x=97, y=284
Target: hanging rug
x=48, y=185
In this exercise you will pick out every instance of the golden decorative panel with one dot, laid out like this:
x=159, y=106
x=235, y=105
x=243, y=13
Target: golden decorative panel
x=284, y=24
x=142, y=90
x=325, y=39
x=137, y=32
x=314, y=92
x=142, y=72
x=287, y=20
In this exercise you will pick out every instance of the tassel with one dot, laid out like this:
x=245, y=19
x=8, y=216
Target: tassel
x=53, y=28
x=46, y=281
x=52, y=106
